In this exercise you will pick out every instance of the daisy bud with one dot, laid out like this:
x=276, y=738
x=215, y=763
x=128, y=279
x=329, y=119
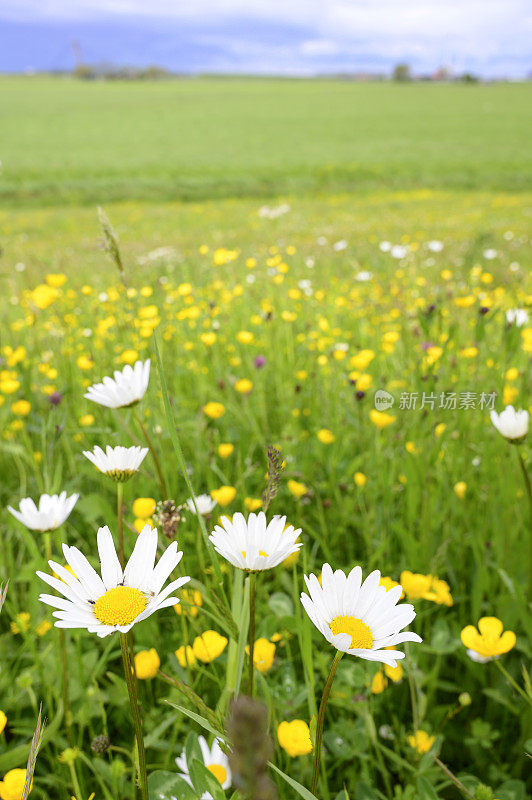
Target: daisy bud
x=100, y=744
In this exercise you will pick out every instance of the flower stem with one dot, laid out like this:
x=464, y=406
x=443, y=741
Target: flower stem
x=528, y=487
x=149, y=442
x=321, y=720
x=459, y=785
x=251, y=632
x=137, y=722
x=511, y=681
x=119, y=512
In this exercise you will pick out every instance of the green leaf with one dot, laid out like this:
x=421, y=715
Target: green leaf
x=301, y=790
x=204, y=780
x=365, y=792
x=281, y=604
x=199, y=719
x=18, y=756
x=426, y=790
x=165, y=785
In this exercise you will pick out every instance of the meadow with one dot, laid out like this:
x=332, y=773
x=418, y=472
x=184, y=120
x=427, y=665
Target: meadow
x=289, y=249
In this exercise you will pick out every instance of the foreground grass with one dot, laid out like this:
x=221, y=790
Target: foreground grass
x=309, y=314
x=262, y=137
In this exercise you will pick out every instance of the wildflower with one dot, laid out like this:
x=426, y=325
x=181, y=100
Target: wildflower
x=43, y=296
x=244, y=386
x=208, y=338
x=426, y=587
x=185, y=656
x=325, y=436
x=224, y=495
x=100, y=744
x=259, y=362
x=254, y=544
x=359, y=618
x=118, y=463
x=56, y=279
x=263, y=654
x=191, y=602
x=214, y=759
x=144, y=507
x=489, y=641
x=55, y=399
x=380, y=419
x=245, y=337
x=204, y=503
x=252, y=503
x=52, y=511
x=21, y=407
x=362, y=359
x=511, y=424
x=360, y=479
x=120, y=598
x=379, y=682
x=86, y=420
x=294, y=738
x=225, y=450
x=214, y=410
x=290, y=560
x=84, y=362
x=421, y=741
x=43, y=627
x=439, y=429
x=209, y=646
x=460, y=489
x=126, y=388
x=147, y=663
x=517, y=317
x=296, y=488
x=12, y=787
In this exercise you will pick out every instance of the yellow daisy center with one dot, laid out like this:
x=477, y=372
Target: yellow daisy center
x=119, y=606
x=361, y=637
x=218, y=771
x=261, y=553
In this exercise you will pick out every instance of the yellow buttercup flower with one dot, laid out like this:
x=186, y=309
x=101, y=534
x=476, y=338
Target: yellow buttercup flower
x=21, y=407
x=185, y=656
x=21, y=623
x=379, y=682
x=421, y=741
x=252, y=503
x=86, y=420
x=290, y=560
x=244, y=386
x=245, y=337
x=191, y=602
x=128, y=357
x=140, y=522
x=426, y=587
x=12, y=787
x=360, y=479
x=225, y=450
x=489, y=640
x=460, y=489
x=43, y=296
x=208, y=338
x=3, y=721
x=325, y=436
x=144, y=507
x=43, y=627
x=263, y=654
x=389, y=583
x=296, y=488
x=56, y=279
x=294, y=737
x=224, y=495
x=209, y=646
x=381, y=419
x=84, y=362
x=362, y=359
x=214, y=410
x=147, y=663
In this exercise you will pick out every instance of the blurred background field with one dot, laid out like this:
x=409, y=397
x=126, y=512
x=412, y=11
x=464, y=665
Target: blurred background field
x=199, y=138
x=271, y=231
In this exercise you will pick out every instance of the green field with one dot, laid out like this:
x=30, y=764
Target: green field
x=403, y=241
x=66, y=141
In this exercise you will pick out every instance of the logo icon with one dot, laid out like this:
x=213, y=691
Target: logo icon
x=383, y=400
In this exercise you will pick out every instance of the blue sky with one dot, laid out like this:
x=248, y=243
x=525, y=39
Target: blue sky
x=298, y=37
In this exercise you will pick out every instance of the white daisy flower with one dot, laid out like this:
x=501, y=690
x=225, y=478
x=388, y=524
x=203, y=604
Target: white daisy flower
x=126, y=388
x=119, y=598
x=359, y=618
x=118, y=463
x=214, y=759
x=52, y=511
x=517, y=317
x=255, y=545
x=511, y=424
x=204, y=502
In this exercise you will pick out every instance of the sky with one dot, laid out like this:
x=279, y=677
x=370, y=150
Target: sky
x=491, y=38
